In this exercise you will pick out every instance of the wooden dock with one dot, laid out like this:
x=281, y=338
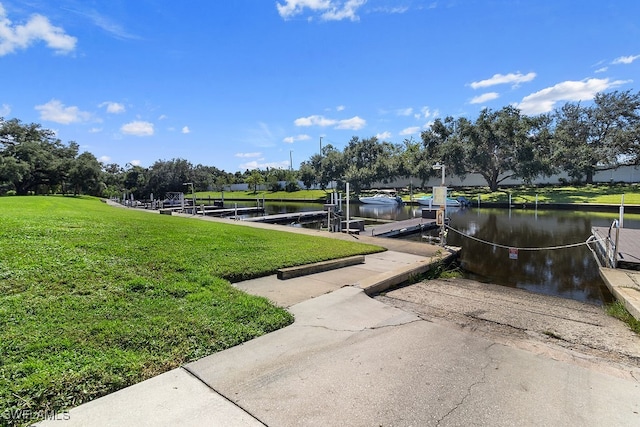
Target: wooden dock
x=288, y=217
x=623, y=278
x=213, y=211
x=400, y=228
x=628, y=250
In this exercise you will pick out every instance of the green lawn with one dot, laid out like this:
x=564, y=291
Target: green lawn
x=596, y=194
x=95, y=298
x=310, y=195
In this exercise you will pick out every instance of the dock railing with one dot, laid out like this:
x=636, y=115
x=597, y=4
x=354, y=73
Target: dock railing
x=611, y=244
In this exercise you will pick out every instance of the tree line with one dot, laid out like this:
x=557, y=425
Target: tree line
x=499, y=144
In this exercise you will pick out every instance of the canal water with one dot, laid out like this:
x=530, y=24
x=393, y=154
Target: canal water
x=533, y=250
x=521, y=248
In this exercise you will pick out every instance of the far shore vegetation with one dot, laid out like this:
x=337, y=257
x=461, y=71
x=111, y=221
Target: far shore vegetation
x=576, y=141
x=95, y=298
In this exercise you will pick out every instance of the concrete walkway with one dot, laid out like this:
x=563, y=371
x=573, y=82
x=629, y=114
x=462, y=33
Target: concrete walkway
x=351, y=360
x=625, y=286
x=354, y=361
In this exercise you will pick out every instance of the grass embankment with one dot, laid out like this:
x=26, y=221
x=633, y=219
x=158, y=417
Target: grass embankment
x=618, y=310
x=604, y=194
x=307, y=195
x=594, y=194
x=95, y=298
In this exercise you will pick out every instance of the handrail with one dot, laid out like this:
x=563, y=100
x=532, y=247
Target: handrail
x=612, y=247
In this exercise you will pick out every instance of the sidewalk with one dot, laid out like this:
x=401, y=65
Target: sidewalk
x=351, y=360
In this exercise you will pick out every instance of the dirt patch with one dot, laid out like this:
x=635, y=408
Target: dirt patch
x=555, y=327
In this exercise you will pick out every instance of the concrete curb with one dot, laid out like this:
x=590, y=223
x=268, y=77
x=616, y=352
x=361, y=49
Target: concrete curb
x=373, y=285
x=624, y=288
x=318, y=267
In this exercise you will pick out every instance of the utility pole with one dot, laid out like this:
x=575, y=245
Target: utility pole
x=320, y=146
x=443, y=205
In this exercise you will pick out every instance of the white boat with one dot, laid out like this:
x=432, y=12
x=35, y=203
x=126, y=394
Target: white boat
x=381, y=198
x=428, y=201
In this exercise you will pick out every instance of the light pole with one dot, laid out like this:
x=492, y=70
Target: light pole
x=439, y=166
x=290, y=160
x=443, y=207
x=193, y=195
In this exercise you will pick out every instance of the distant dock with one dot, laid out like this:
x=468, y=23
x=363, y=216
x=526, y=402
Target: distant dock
x=288, y=217
x=400, y=228
x=618, y=252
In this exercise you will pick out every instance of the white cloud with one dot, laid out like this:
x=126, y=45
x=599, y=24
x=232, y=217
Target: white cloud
x=186, y=130
x=163, y=117
x=138, y=128
x=95, y=130
x=104, y=159
x=248, y=155
x=404, y=111
x=113, y=107
x=354, y=123
x=329, y=10
x=489, y=96
x=601, y=70
x=106, y=24
x=55, y=111
x=384, y=135
x=569, y=91
x=410, y=131
x=135, y=162
x=425, y=112
x=511, y=78
x=292, y=139
x=391, y=10
x=314, y=120
x=5, y=109
x=340, y=108
x=37, y=28
x=344, y=10
x=625, y=59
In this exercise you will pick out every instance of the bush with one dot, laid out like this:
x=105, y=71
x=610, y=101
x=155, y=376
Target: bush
x=292, y=186
x=275, y=187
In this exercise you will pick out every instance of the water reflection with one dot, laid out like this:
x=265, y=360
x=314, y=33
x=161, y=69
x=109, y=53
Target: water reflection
x=566, y=272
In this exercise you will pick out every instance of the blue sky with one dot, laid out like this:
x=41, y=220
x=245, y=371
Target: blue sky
x=244, y=84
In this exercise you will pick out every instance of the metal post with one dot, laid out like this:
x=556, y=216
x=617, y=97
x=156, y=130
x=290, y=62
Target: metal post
x=444, y=207
x=348, y=227
x=615, y=253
